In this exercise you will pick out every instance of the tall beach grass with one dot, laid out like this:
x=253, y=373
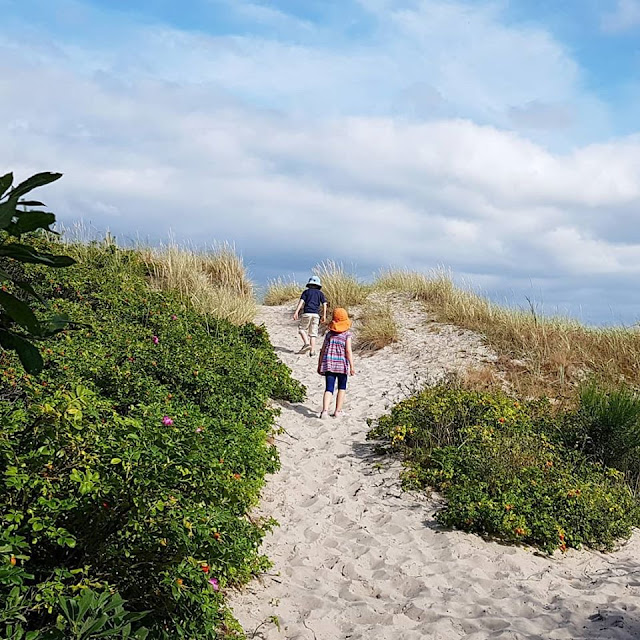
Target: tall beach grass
x=341, y=288
x=552, y=354
x=280, y=291
x=214, y=280
x=377, y=327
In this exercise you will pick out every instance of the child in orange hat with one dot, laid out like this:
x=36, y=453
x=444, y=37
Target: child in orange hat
x=335, y=361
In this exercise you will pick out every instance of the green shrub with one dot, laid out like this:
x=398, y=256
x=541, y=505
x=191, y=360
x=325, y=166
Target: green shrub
x=608, y=427
x=129, y=465
x=503, y=474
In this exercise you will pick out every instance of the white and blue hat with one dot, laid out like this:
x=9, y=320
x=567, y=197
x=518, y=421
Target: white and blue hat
x=314, y=280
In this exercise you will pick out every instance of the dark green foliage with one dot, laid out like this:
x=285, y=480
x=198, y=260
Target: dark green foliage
x=607, y=427
x=129, y=465
x=19, y=325
x=506, y=470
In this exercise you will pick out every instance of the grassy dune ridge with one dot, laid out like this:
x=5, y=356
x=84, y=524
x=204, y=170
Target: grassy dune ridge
x=539, y=354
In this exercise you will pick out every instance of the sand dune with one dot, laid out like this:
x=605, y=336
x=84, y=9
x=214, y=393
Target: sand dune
x=356, y=557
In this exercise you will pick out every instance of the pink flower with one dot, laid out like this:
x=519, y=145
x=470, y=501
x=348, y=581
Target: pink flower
x=174, y=317
x=215, y=584
x=167, y=421
x=199, y=430
x=155, y=339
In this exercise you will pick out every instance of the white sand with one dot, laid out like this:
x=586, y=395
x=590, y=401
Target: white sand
x=356, y=557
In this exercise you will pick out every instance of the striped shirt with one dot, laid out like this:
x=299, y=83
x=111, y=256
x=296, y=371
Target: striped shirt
x=334, y=358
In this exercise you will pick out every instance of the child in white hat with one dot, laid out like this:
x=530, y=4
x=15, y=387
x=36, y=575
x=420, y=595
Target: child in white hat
x=312, y=303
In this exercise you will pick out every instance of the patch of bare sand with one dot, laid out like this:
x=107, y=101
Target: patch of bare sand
x=356, y=557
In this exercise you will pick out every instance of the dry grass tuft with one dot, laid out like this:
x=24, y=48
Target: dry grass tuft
x=377, y=327
x=481, y=378
x=436, y=287
x=341, y=288
x=280, y=291
x=215, y=281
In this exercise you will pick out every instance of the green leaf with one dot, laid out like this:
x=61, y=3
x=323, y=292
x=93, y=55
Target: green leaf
x=30, y=221
x=64, y=605
x=25, y=253
x=54, y=325
x=29, y=356
x=20, y=312
x=30, y=203
x=116, y=460
x=25, y=286
x=37, y=180
x=5, y=182
x=7, y=213
x=91, y=627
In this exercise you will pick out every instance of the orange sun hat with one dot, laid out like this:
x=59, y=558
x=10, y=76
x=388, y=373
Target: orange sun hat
x=340, y=321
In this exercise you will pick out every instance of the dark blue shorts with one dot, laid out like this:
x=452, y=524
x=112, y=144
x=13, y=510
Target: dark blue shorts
x=330, y=379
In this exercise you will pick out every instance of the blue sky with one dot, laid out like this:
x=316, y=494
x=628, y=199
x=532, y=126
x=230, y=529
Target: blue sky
x=497, y=138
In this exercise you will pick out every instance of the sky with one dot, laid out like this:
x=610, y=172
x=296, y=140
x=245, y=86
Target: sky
x=497, y=139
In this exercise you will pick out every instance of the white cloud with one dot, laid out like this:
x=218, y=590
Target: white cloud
x=301, y=151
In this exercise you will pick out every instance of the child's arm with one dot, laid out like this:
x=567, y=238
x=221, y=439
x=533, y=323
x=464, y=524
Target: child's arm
x=321, y=355
x=298, y=308
x=352, y=369
x=324, y=313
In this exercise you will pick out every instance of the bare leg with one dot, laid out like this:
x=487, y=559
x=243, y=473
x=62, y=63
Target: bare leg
x=326, y=400
x=339, y=400
x=305, y=344
x=312, y=342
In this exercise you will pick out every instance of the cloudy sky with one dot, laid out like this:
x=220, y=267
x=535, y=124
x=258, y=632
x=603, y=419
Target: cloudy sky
x=500, y=139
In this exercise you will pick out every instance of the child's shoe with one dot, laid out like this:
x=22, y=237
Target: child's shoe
x=304, y=349
x=323, y=414
x=336, y=414
x=312, y=353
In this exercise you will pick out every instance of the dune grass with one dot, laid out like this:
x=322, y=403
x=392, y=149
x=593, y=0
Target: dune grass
x=342, y=289
x=280, y=291
x=214, y=281
x=552, y=354
x=377, y=327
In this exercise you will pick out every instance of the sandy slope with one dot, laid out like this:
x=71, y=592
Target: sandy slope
x=355, y=557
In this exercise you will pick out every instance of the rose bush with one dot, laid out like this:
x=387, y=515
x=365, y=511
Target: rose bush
x=506, y=470
x=130, y=464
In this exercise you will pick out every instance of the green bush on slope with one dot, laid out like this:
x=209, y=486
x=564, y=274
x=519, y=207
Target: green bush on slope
x=129, y=465
x=505, y=469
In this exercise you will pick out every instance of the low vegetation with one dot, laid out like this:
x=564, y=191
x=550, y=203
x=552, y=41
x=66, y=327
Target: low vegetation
x=214, y=282
x=522, y=471
x=280, y=291
x=377, y=327
x=342, y=289
x=129, y=465
x=541, y=355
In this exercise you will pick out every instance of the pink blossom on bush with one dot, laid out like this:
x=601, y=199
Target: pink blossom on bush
x=155, y=339
x=215, y=584
x=167, y=421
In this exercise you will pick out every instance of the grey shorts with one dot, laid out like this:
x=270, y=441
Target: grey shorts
x=309, y=323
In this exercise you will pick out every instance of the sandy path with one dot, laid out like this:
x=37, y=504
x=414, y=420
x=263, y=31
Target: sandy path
x=356, y=557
